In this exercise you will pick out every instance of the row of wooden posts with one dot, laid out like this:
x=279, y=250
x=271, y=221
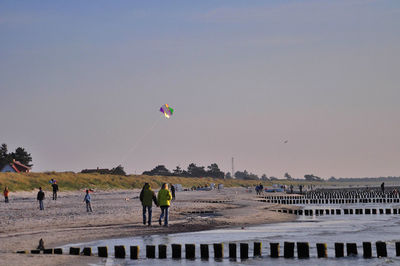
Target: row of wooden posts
x=290, y=201
x=356, y=196
x=319, y=212
x=303, y=250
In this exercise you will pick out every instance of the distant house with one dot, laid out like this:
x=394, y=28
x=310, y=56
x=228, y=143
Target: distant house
x=15, y=167
x=104, y=171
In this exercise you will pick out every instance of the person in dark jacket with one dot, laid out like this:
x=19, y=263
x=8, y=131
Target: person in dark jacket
x=40, y=198
x=147, y=196
x=383, y=187
x=88, y=201
x=55, y=189
x=173, y=191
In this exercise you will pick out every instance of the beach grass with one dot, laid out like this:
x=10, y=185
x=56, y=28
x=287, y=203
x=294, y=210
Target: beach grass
x=76, y=181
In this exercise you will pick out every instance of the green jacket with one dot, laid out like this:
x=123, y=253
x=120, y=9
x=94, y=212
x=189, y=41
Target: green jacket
x=164, y=197
x=147, y=196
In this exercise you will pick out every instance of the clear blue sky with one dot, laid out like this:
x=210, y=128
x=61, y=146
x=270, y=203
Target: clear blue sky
x=81, y=83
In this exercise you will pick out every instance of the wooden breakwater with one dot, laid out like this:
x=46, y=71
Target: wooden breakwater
x=241, y=251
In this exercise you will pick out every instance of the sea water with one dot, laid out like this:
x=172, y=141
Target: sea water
x=316, y=229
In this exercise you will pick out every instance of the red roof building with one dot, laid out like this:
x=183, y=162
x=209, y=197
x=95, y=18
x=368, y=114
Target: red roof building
x=15, y=167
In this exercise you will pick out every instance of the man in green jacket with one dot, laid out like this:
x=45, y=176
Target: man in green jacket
x=164, y=197
x=147, y=197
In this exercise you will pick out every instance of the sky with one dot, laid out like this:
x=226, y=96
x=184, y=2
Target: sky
x=81, y=83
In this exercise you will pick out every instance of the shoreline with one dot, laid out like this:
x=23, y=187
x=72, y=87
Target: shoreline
x=117, y=214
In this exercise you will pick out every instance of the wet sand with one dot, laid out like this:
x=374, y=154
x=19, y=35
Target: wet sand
x=116, y=213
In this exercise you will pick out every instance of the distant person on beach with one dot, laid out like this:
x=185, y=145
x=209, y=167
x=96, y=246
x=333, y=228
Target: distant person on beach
x=55, y=189
x=147, y=196
x=173, y=192
x=301, y=189
x=40, y=198
x=88, y=200
x=383, y=187
x=6, y=193
x=164, y=197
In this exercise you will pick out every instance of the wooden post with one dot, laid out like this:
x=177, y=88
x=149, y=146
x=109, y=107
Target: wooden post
x=397, y=249
x=87, y=251
x=381, y=249
x=244, y=251
x=119, y=252
x=58, y=251
x=162, y=251
x=48, y=251
x=22, y=252
x=288, y=250
x=218, y=250
x=74, y=251
x=367, y=250
x=322, y=250
x=232, y=251
x=176, y=251
x=303, y=250
x=190, y=251
x=134, y=252
x=257, y=249
x=37, y=251
x=351, y=249
x=150, y=251
x=204, y=252
x=274, y=248
x=102, y=252
x=339, y=250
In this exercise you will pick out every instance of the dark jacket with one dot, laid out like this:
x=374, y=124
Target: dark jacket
x=173, y=191
x=55, y=187
x=40, y=195
x=147, y=196
x=87, y=198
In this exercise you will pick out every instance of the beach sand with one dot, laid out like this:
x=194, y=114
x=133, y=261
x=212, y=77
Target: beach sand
x=116, y=213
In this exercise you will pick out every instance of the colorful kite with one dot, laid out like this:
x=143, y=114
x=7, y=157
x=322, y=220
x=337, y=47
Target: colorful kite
x=166, y=110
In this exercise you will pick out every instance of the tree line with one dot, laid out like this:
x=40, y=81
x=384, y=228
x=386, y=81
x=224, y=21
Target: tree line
x=194, y=170
x=20, y=154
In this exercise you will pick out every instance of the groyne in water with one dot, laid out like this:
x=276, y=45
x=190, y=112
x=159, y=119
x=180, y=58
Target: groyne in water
x=334, y=197
x=302, y=250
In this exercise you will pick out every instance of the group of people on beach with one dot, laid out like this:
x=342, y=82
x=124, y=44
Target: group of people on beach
x=163, y=200
x=147, y=197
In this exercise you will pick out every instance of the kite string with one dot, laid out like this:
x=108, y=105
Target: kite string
x=139, y=141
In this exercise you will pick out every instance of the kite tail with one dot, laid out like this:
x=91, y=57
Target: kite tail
x=139, y=141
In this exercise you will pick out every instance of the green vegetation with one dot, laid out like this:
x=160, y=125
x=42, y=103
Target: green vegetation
x=19, y=155
x=73, y=181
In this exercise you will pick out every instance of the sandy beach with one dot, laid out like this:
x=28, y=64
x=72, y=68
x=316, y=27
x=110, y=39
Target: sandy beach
x=116, y=213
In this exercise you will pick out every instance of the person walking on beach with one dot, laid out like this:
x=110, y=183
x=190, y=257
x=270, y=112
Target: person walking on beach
x=173, y=192
x=40, y=198
x=147, y=196
x=55, y=189
x=88, y=200
x=383, y=187
x=164, y=197
x=6, y=193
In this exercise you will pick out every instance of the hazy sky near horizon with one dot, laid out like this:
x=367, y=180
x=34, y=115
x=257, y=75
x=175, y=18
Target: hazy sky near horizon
x=81, y=83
